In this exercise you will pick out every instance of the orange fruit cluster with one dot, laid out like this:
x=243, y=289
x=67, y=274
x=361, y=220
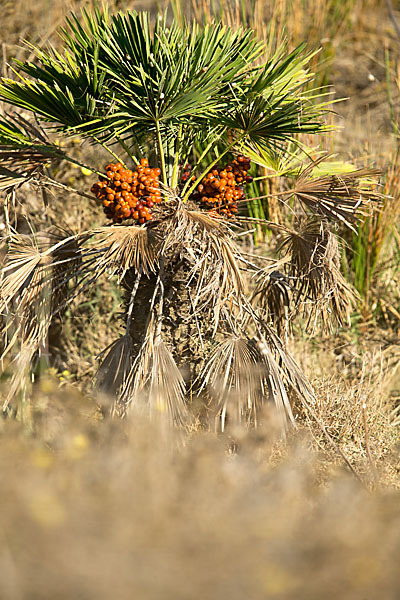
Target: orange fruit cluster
x=186, y=173
x=222, y=188
x=127, y=194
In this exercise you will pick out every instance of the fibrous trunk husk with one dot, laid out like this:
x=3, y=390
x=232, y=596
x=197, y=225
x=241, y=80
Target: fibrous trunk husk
x=190, y=316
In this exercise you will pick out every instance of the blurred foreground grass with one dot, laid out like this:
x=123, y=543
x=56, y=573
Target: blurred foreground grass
x=130, y=509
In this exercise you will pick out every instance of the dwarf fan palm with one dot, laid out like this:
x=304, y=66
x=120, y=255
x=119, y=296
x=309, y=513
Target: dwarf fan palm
x=176, y=93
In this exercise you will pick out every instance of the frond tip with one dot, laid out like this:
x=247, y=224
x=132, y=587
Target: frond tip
x=167, y=387
x=24, y=150
x=115, y=366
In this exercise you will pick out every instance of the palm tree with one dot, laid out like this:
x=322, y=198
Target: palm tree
x=158, y=97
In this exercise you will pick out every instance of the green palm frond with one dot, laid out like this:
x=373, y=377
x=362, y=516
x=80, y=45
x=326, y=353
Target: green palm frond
x=24, y=150
x=285, y=70
x=265, y=120
x=289, y=161
x=123, y=79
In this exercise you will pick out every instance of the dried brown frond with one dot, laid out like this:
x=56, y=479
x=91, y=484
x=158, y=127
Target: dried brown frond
x=19, y=275
x=115, y=366
x=314, y=267
x=289, y=368
x=167, y=387
x=183, y=227
x=204, y=243
x=9, y=178
x=155, y=378
x=239, y=373
x=19, y=166
x=232, y=375
x=33, y=286
x=344, y=198
x=272, y=295
x=125, y=247
x=139, y=372
x=276, y=386
x=21, y=372
x=208, y=222
x=32, y=262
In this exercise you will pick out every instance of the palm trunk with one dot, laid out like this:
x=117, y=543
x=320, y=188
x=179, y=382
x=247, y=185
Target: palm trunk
x=187, y=338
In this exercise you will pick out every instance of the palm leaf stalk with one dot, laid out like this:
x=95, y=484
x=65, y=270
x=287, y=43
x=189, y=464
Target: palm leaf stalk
x=176, y=94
